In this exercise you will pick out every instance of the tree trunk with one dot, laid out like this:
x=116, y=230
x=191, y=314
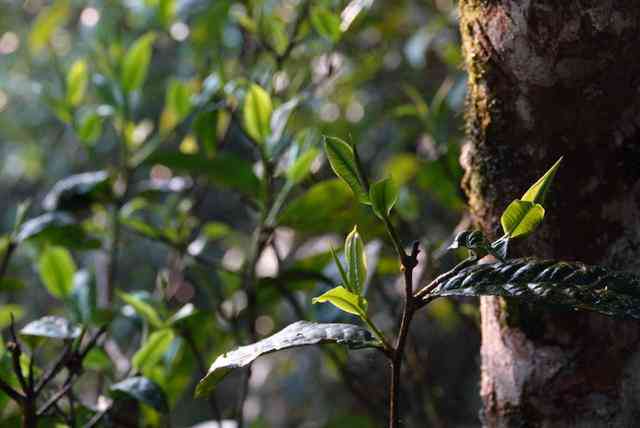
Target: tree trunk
x=549, y=78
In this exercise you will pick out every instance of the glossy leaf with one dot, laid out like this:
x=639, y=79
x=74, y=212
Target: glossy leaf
x=356, y=262
x=57, y=269
x=77, y=80
x=572, y=285
x=343, y=162
x=345, y=300
x=301, y=333
x=383, y=195
x=521, y=218
x=256, y=114
x=538, y=192
x=83, y=297
x=52, y=328
x=326, y=23
x=135, y=64
x=142, y=308
x=183, y=314
x=143, y=390
x=78, y=191
x=153, y=349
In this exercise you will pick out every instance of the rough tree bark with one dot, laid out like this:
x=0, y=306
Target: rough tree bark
x=550, y=78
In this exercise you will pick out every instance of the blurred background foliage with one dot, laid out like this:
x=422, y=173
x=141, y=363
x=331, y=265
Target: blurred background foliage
x=171, y=218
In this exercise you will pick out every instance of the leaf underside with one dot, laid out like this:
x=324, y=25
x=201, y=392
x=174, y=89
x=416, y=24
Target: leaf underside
x=571, y=285
x=301, y=333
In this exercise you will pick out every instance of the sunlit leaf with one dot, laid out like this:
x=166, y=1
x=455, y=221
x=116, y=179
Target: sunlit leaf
x=356, y=261
x=56, y=228
x=301, y=167
x=48, y=21
x=77, y=80
x=6, y=311
x=78, y=191
x=57, y=268
x=343, y=162
x=383, y=195
x=256, y=114
x=135, y=64
x=326, y=23
x=345, y=300
x=153, y=349
x=301, y=333
x=521, y=218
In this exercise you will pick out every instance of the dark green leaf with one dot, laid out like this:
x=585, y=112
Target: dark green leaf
x=56, y=228
x=224, y=169
x=51, y=327
x=343, y=162
x=301, y=333
x=572, y=285
x=143, y=390
x=57, y=268
x=77, y=192
x=83, y=297
x=383, y=195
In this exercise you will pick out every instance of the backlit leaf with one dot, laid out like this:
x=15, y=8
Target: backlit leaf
x=344, y=300
x=153, y=349
x=77, y=80
x=383, y=195
x=521, y=218
x=135, y=64
x=57, y=268
x=538, y=192
x=343, y=162
x=256, y=114
x=356, y=262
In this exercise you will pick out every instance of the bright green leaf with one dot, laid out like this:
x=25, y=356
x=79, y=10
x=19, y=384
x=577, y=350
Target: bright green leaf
x=77, y=80
x=343, y=273
x=521, y=218
x=47, y=22
x=356, y=261
x=136, y=63
x=383, y=195
x=142, y=308
x=8, y=309
x=344, y=300
x=57, y=269
x=326, y=23
x=538, y=192
x=299, y=170
x=90, y=127
x=343, y=162
x=257, y=114
x=153, y=349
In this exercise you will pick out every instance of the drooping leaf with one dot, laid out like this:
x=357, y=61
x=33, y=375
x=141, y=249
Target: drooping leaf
x=51, y=327
x=301, y=333
x=143, y=390
x=142, y=308
x=56, y=228
x=326, y=23
x=356, y=262
x=256, y=114
x=224, y=169
x=343, y=162
x=521, y=218
x=153, y=349
x=135, y=64
x=538, y=192
x=344, y=300
x=78, y=191
x=383, y=195
x=57, y=269
x=77, y=80
x=571, y=285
